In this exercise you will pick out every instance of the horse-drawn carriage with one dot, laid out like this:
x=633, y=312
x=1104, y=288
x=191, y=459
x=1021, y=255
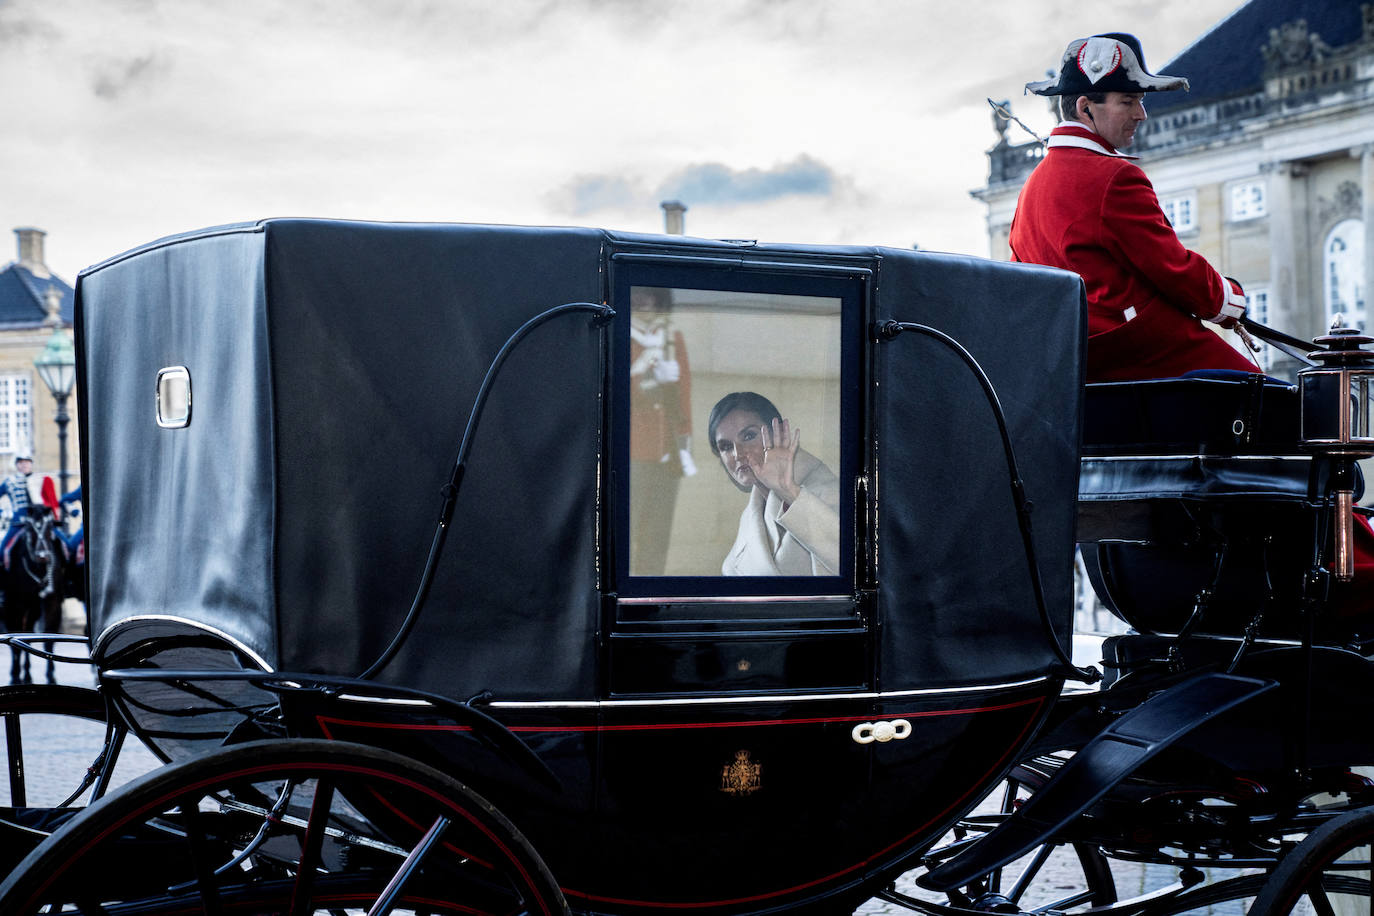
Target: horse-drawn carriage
x=399, y=561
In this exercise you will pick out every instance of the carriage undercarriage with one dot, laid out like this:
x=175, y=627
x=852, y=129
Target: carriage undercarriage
x=232, y=829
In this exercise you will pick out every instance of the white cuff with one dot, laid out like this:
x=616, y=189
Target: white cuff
x=1227, y=311
x=1232, y=307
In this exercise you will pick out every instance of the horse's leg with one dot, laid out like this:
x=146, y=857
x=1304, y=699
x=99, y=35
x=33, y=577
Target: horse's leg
x=10, y=622
x=52, y=623
x=52, y=667
x=19, y=666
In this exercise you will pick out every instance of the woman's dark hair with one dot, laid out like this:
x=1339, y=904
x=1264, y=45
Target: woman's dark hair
x=739, y=400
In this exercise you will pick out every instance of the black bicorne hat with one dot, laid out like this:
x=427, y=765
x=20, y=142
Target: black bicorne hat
x=1112, y=62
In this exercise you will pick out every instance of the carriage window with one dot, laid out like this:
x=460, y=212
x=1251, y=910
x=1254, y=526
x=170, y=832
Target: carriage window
x=735, y=428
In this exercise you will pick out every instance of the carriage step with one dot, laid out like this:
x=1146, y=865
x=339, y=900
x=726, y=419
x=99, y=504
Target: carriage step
x=1106, y=760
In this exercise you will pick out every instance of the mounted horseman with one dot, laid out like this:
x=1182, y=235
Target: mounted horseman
x=15, y=489
x=73, y=545
x=31, y=555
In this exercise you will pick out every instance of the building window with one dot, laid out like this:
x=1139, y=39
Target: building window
x=1257, y=307
x=1343, y=273
x=1257, y=304
x=1247, y=201
x=1181, y=211
x=16, y=414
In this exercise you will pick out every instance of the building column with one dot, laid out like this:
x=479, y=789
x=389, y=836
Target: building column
x=1366, y=157
x=1283, y=281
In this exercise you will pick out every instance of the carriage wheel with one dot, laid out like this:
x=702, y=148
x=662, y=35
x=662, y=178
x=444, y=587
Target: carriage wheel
x=1021, y=883
x=54, y=738
x=1082, y=875
x=299, y=826
x=58, y=751
x=1329, y=871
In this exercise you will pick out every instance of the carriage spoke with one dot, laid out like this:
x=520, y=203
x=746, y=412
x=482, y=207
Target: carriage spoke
x=200, y=856
x=311, y=846
x=1321, y=903
x=14, y=745
x=1030, y=872
x=408, y=868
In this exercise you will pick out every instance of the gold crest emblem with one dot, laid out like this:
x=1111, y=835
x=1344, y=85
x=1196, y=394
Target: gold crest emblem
x=740, y=776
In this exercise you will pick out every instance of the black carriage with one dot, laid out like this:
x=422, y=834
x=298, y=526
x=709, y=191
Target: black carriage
x=389, y=562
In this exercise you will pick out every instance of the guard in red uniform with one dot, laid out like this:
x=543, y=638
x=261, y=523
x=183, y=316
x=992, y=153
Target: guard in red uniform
x=1089, y=209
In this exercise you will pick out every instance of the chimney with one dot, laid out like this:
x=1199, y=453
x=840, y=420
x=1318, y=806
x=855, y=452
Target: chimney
x=673, y=221
x=31, y=251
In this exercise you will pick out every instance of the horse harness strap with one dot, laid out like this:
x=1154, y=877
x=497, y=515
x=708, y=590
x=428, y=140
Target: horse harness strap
x=38, y=541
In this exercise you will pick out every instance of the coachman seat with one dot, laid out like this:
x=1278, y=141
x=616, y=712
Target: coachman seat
x=1198, y=508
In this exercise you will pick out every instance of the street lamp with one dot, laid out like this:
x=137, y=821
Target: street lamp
x=57, y=368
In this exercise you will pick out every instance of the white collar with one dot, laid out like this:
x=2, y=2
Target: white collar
x=1101, y=147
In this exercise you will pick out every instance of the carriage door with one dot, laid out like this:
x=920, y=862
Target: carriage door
x=738, y=657
x=965, y=656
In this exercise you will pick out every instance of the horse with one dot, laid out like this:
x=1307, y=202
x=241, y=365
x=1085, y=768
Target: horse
x=73, y=579
x=32, y=575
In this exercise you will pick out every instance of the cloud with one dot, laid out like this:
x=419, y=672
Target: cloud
x=704, y=183
x=147, y=117
x=593, y=193
x=112, y=79
x=18, y=29
x=713, y=183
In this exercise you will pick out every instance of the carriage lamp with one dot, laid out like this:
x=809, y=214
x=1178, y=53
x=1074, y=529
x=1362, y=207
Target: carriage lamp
x=1336, y=422
x=56, y=366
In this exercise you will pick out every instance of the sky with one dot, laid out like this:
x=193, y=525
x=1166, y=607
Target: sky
x=806, y=121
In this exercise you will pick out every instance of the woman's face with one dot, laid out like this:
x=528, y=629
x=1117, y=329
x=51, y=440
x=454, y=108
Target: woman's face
x=739, y=439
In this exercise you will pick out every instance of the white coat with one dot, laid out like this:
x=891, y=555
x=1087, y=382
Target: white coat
x=804, y=540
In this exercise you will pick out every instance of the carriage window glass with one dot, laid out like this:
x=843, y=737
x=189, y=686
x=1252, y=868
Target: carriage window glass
x=734, y=433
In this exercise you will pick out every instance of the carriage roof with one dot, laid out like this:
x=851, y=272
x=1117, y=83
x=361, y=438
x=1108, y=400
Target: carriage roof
x=333, y=366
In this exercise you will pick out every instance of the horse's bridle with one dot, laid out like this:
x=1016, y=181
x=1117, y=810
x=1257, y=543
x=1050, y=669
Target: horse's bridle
x=38, y=541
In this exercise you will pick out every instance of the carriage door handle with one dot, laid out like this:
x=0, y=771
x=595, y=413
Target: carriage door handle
x=881, y=732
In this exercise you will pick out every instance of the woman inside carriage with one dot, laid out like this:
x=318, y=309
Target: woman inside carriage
x=791, y=524
x=1089, y=209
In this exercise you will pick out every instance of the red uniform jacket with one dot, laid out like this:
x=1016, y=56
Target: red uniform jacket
x=660, y=414
x=1088, y=209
